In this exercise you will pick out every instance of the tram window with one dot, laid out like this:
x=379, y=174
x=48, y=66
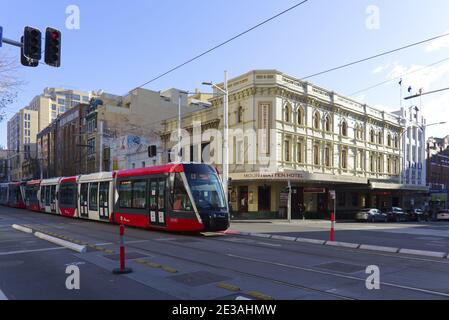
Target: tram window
x=67, y=195
x=125, y=194
x=104, y=194
x=47, y=196
x=93, y=197
x=139, y=194
x=161, y=195
x=181, y=200
x=53, y=194
x=83, y=194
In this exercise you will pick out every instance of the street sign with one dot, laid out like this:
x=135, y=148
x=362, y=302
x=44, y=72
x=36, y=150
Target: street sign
x=333, y=194
x=1, y=36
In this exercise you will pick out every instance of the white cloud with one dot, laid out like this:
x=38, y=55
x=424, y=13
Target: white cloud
x=424, y=78
x=434, y=110
x=379, y=69
x=438, y=44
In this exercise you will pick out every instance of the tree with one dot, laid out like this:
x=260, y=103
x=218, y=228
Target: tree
x=9, y=83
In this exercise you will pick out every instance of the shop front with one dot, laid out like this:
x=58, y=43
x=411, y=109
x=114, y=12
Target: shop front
x=265, y=195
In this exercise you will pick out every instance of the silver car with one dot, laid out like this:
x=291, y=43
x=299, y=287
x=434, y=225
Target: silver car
x=371, y=215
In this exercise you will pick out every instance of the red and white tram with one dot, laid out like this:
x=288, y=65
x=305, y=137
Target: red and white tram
x=175, y=197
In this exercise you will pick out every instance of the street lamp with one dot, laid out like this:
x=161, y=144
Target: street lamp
x=225, y=152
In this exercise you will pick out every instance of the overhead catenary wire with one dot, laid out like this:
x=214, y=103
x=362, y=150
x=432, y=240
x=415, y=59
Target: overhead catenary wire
x=375, y=56
x=399, y=77
x=222, y=44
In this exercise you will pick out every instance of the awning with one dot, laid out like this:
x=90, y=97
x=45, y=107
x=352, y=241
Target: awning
x=399, y=187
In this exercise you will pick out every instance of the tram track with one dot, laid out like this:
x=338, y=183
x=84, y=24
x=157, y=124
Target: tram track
x=248, y=259
x=213, y=266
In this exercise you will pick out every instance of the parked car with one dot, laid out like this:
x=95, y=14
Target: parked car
x=417, y=215
x=371, y=215
x=443, y=215
x=396, y=214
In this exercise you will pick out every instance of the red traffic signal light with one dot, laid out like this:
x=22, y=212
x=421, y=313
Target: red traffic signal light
x=53, y=47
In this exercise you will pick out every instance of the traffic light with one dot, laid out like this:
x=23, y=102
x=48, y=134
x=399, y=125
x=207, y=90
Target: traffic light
x=53, y=47
x=32, y=43
x=152, y=151
x=25, y=61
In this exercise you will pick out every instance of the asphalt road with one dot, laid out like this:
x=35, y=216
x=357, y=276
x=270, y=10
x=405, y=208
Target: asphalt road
x=192, y=267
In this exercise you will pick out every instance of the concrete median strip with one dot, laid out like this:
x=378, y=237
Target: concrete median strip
x=23, y=229
x=311, y=241
x=284, y=238
x=261, y=235
x=432, y=254
x=342, y=244
x=348, y=245
x=379, y=248
x=60, y=242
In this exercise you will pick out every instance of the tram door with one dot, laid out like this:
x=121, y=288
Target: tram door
x=84, y=192
x=104, y=200
x=157, y=202
x=53, y=199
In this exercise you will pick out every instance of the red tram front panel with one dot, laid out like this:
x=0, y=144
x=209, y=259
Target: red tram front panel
x=162, y=198
x=68, y=197
x=145, y=200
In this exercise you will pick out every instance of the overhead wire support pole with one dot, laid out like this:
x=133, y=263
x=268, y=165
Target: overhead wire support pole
x=425, y=94
x=12, y=42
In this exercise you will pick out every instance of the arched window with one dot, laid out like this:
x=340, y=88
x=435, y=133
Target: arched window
x=379, y=137
x=328, y=156
x=372, y=136
x=344, y=129
x=396, y=142
x=317, y=121
x=240, y=115
x=316, y=155
x=287, y=113
x=301, y=116
x=344, y=158
x=328, y=123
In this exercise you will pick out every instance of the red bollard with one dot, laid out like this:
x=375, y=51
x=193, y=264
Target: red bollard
x=123, y=269
x=332, y=237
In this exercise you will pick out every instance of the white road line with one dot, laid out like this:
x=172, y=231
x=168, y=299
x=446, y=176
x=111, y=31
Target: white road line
x=30, y=251
x=136, y=241
x=3, y=296
x=442, y=294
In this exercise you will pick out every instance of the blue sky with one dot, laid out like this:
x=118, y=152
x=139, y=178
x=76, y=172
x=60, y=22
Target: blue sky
x=122, y=44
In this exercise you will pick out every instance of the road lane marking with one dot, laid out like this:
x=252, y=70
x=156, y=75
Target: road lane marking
x=442, y=294
x=3, y=297
x=30, y=251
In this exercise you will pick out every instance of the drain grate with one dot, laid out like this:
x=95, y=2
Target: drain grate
x=341, y=267
x=197, y=279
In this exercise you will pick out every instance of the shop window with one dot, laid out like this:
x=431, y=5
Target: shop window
x=341, y=199
x=355, y=199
